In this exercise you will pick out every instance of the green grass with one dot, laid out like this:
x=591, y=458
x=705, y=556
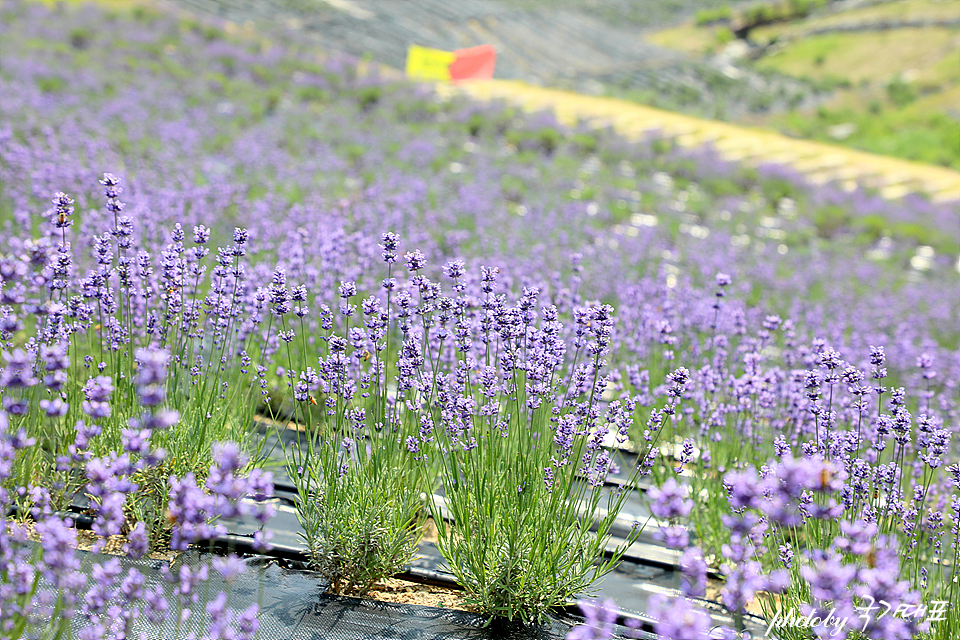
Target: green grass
x=900, y=88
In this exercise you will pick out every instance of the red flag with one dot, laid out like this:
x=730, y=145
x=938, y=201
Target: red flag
x=475, y=63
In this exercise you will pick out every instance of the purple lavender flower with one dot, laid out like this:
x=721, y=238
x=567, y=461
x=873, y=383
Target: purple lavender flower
x=669, y=501
x=201, y=234
x=856, y=537
x=415, y=260
x=111, y=186
x=678, y=619
x=17, y=371
x=248, y=623
x=390, y=243
x=454, y=269
x=828, y=576
x=744, y=489
x=599, y=623
x=137, y=544
x=673, y=537
x=229, y=567
x=240, y=236
x=64, y=208
x=694, y=570
x=188, y=509
x=151, y=375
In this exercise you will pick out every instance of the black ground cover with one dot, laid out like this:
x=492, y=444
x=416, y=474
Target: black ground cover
x=294, y=602
x=294, y=606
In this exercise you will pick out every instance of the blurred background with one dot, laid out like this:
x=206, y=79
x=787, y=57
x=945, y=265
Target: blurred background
x=878, y=75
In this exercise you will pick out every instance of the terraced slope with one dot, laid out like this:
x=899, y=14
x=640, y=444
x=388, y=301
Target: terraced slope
x=531, y=43
x=563, y=44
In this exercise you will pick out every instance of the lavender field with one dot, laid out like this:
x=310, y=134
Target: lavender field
x=198, y=228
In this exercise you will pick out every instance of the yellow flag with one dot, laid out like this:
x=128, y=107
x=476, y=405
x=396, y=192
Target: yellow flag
x=424, y=63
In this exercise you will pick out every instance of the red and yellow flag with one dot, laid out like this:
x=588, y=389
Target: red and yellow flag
x=475, y=63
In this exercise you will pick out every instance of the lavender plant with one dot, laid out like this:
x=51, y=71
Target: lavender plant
x=94, y=382
x=518, y=433
x=360, y=526
x=359, y=494
x=50, y=590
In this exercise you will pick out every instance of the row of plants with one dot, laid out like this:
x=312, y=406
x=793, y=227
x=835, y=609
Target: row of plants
x=546, y=292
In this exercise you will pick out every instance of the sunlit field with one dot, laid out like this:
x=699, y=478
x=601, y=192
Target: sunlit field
x=202, y=232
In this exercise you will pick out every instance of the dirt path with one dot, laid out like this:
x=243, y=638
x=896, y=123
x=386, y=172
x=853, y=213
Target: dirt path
x=818, y=161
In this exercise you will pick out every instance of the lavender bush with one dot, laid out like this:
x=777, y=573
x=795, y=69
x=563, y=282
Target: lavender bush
x=783, y=357
x=50, y=590
x=519, y=438
x=360, y=492
x=123, y=326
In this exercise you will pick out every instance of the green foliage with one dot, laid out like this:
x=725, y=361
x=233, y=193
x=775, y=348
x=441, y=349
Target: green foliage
x=312, y=93
x=711, y=16
x=359, y=511
x=146, y=15
x=774, y=189
x=421, y=110
x=520, y=543
x=901, y=93
x=830, y=219
x=872, y=227
x=545, y=140
x=934, y=139
x=584, y=143
x=51, y=84
x=80, y=38
x=922, y=235
x=368, y=97
x=724, y=36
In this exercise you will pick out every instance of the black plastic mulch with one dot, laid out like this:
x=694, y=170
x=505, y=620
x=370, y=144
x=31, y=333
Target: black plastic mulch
x=645, y=571
x=647, y=568
x=294, y=603
x=294, y=606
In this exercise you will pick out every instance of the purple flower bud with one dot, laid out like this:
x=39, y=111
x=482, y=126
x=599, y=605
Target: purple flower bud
x=230, y=567
x=55, y=408
x=151, y=375
x=415, y=260
x=227, y=457
x=64, y=209
x=137, y=544
x=694, y=569
x=18, y=371
x=679, y=619
x=454, y=269
x=669, y=501
x=201, y=234
x=599, y=621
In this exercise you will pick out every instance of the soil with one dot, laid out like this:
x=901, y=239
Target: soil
x=406, y=592
x=403, y=592
x=113, y=545
x=713, y=594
